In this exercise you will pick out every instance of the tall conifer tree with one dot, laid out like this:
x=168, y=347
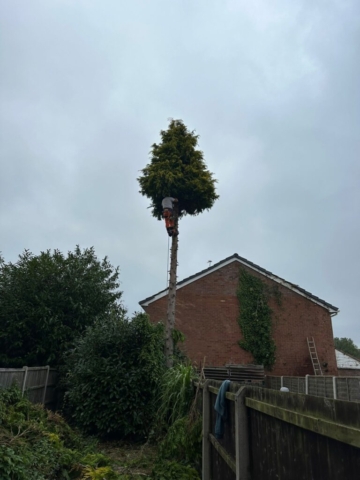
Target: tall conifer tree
x=177, y=169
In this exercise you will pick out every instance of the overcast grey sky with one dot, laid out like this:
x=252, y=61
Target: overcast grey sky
x=272, y=88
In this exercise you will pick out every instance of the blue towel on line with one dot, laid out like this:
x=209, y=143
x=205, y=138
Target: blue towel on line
x=221, y=409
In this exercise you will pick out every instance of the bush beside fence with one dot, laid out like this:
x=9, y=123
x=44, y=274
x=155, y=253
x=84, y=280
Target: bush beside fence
x=37, y=382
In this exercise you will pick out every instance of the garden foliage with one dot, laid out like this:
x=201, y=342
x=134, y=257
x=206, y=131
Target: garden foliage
x=171, y=470
x=37, y=444
x=176, y=393
x=113, y=376
x=178, y=416
x=47, y=300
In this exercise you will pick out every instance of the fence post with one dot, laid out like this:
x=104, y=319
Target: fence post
x=334, y=388
x=306, y=384
x=46, y=382
x=24, y=380
x=281, y=381
x=206, y=445
x=241, y=436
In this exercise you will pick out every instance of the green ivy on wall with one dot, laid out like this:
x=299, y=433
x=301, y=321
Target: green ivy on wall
x=255, y=318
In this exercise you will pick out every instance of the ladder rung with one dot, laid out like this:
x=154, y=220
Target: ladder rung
x=314, y=356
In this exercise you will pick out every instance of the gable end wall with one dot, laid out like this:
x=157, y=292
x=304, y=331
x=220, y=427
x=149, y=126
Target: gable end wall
x=207, y=310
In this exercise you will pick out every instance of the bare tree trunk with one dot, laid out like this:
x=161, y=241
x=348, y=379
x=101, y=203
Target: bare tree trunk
x=170, y=320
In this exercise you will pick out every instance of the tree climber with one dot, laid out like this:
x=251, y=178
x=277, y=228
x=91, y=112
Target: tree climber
x=168, y=208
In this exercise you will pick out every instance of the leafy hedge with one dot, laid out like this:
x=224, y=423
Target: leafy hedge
x=113, y=376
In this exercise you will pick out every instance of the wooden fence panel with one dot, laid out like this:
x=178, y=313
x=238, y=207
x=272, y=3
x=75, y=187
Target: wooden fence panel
x=341, y=388
x=321, y=386
x=220, y=469
x=37, y=382
x=283, y=436
x=50, y=394
x=8, y=376
x=273, y=382
x=354, y=389
x=282, y=450
x=35, y=385
x=348, y=388
x=294, y=384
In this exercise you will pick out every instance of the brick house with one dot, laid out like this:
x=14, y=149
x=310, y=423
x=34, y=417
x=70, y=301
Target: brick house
x=207, y=310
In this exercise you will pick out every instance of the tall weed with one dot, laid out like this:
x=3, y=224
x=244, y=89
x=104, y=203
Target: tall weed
x=176, y=393
x=178, y=416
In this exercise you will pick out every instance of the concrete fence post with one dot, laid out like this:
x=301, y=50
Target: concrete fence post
x=306, y=384
x=24, y=380
x=206, y=445
x=242, y=459
x=281, y=381
x=334, y=388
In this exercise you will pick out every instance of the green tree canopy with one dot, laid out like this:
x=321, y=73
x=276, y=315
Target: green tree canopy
x=177, y=169
x=46, y=301
x=346, y=345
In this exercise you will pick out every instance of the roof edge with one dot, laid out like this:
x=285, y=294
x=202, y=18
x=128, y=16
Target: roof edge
x=235, y=257
x=348, y=355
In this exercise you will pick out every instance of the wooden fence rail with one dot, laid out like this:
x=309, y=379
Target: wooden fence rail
x=275, y=435
x=37, y=382
x=340, y=388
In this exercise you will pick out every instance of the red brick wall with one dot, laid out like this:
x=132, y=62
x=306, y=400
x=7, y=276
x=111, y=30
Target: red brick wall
x=349, y=372
x=207, y=311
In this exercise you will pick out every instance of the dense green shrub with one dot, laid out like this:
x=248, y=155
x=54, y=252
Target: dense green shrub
x=47, y=300
x=36, y=444
x=113, y=376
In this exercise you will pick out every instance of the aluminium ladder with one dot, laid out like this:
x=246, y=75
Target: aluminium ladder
x=314, y=356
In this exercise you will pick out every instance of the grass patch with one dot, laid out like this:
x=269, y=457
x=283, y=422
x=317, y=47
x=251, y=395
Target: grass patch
x=135, y=462
x=129, y=459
